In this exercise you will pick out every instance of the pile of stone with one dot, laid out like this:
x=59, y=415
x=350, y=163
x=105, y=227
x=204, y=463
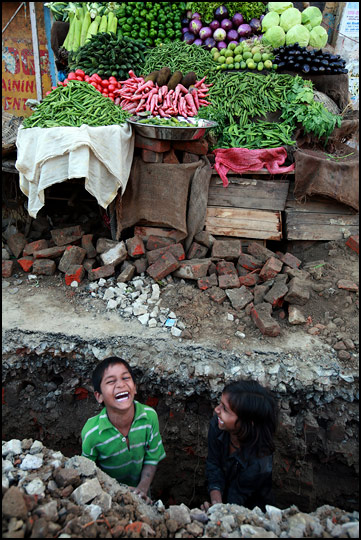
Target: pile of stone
x=258, y=281
x=46, y=495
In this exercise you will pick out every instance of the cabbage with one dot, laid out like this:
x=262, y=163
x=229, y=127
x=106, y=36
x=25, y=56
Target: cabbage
x=298, y=34
x=290, y=18
x=318, y=37
x=312, y=15
x=279, y=7
x=275, y=36
x=308, y=26
x=271, y=19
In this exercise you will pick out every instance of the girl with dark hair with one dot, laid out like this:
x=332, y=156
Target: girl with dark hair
x=240, y=446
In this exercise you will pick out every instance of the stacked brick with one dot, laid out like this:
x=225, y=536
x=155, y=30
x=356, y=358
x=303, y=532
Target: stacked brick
x=171, y=152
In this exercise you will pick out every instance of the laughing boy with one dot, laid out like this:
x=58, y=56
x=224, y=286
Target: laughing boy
x=123, y=439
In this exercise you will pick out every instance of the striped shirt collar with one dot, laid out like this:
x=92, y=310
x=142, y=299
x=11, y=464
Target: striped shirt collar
x=105, y=423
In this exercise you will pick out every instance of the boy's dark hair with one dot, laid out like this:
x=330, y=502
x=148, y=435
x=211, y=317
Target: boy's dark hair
x=99, y=370
x=257, y=414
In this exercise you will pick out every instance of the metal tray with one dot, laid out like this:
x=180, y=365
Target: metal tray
x=172, y=133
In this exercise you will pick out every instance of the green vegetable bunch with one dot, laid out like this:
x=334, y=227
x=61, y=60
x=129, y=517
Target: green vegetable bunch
x=152, y=22
x=249, y=10
x=107, y=55
x=73, y=105
x=61, y=10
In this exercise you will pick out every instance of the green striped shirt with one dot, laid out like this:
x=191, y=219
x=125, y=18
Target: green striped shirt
x=104, y=444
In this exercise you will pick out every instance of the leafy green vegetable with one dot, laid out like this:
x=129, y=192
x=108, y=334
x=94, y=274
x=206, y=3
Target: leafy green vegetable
x=298, y=34
x=279, y=7
x=270, y=20
x=275, y=36
x=289, y=18
x=318, y=37
x=312, y=15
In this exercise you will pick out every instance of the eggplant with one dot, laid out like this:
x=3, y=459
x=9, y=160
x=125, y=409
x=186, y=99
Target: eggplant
x=299, y=58
x=255, y=25
x=221, y=13
x=188, y=37
x=244, y=30
x=195, y=26
x=324, y=62
x=314, y=69
x=316, y=61
x=214, y=25
x=335, y=57
x=343, y=70
x=209, y=43
x=226, y=24
x=197, y=41
x=322, y=69
x=237, y=19
x=185, y=22
x=221, y=45
x=219, y=34
x=232, y=35
x=306, y=68
x=205, y=33
x=196, y=16
x=281, y=65
x=297, y=66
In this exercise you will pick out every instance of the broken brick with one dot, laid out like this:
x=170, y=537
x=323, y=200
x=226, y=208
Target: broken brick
x=135, y=247
x=276, y=294
x=228, y=281
x=115, y=255
x=347, y=285
x=44, y=267
x=226, y=249
x=89, y=264
x=176, y=250
x=205, y=238
x=248, y=262
x=16, y=242
x=226, y=268
x=87, y=244
x=38, y=245
x=170, y=157
x=73, y=255
x=240, y=298
x=353, y=243
x=105, y=244
x=199, y=147
x=50, y=253
x=217, y=295
x=155, y=145
x=249, y=280
x=26, y=263
x=272, y=267
x=140, y=265
x=197, y=251
x=148, y=156
x=207, y=282
x=7, y=268
x=165, y=265
x=259, y=293
x=189, y=158
x=74, y=273
x=156, y=242
x=260, y=252
x=63, y=237
x=194, y=269
x=261, y=316
x=127, y=273
x=298, y=292
x=102, y=272
x=290, y=260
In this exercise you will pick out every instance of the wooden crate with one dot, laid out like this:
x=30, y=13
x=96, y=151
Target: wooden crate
x=318, y=219
x=249, y=207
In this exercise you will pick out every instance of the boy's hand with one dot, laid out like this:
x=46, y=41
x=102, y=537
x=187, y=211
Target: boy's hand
x=141, y=494
x=206, y=506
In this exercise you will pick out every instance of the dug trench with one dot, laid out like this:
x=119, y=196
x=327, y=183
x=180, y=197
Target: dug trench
x=47, y=396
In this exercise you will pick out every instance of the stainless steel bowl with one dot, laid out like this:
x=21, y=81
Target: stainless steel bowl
x=169, y=133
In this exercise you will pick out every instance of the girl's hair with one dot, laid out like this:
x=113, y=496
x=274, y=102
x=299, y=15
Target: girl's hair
x=98, y=372
x=256, y=409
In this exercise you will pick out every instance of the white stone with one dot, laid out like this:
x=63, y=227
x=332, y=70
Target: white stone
x=230, y=317
x=172, y=315
x=11, y=447
x=102, y=282
x=143, y=319
x=109, y=294
x=5, y=483
x=87, y=491
x=128, y=310
x=134, y=295
x=152, y=323
x=74, y=284
x=241, y=335
x=93, y=510
x=115, y=255
x=93, y=286
x=295, y=316
x=155, y=312
x=274, y=513
x=181, y=325
x=32, y=276
x=138, y=284
x=7, y=466
x=35, y=487
x=31, y=462
x=176, y=332
x=36, y=447
x=140, y=309
x=112, y=304
x=122, y=288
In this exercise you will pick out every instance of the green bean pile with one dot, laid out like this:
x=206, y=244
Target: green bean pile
x=237, y=98
x=178, y=55
x=73, y=105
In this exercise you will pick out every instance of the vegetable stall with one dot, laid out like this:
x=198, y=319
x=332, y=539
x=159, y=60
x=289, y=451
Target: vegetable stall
x=248, y=91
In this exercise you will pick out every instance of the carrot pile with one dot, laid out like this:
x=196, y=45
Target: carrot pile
x=137, y=96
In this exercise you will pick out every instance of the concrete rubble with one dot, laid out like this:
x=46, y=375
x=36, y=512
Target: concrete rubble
x=53, y=496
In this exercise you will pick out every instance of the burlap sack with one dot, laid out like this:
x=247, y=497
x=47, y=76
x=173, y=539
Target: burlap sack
x=317, y=173
x=169, y=195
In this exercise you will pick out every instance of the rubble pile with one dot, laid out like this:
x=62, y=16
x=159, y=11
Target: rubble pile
x=255, y=279
x=46, y=495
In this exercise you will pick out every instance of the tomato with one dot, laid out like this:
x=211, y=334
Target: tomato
x=47, y=93
x=111, y=95
x=112, y=80
x=65, y=82
x=71, y=76
x=105, y=90
x=105, y=83
x=78, y=78
x=104, y=94
x=96, y=78
x=119, y=85
x=80, y=73
x=94, y=84
x=111, y=87
x=87, y=78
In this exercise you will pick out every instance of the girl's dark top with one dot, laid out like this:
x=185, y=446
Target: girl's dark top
x=242, y=478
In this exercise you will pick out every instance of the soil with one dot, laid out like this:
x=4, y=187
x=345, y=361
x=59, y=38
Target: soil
x=48, y=304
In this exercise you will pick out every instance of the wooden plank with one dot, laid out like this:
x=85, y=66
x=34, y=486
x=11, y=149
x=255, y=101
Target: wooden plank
x=295, y=218
x=261, y=171
x=313, y=226
x=249, y=193
x=317, y=204
x=144, y=232
x=245, y=223
x=323, y=232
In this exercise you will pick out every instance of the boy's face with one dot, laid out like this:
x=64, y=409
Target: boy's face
x=117, y=388
x=227, y=419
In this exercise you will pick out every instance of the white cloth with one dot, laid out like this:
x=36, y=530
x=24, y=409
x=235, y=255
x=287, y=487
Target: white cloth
x=101, y=155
